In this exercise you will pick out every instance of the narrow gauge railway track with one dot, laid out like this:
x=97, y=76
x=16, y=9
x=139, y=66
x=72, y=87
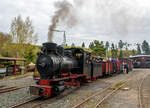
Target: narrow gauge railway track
x=25, y=102
x=140, y=99
x=9, y=89
x=2, y=86
x=2, y=89
x=47, y=101
x=106, y=92
x=37, y=102
x=17, y=78
x=95, y=100
x=39, y=105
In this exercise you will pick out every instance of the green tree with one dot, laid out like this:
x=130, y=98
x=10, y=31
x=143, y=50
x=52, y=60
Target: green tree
x=98, y=49
x=72, y=45
x=5, y=39
x=107, y=45
x=91, y=45
x=133, y=51
x=127, y=45
x=29, y=54
x=145, y=47
x=120, y=45
x=126, y=52
x=138, y=48
x=83, y=45
x=114, y=51
x=6, y=63
x=102, y=42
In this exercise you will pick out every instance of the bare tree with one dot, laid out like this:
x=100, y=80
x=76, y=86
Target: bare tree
x=22, y=33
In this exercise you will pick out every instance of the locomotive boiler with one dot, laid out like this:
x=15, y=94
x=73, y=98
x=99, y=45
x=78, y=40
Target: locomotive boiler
x=53, y=62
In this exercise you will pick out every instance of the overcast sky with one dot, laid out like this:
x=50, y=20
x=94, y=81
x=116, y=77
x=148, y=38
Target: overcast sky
x=104, y=20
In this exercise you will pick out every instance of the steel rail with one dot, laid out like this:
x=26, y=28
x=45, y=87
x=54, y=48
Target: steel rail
x=104, y=98
x=139, y=92
x=22, y=103
x=2, y=86
x=1, y=89
x=9, y=89
x=95, y=94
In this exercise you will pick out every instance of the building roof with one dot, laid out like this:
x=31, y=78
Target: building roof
x=139, y=56
x=11, y=59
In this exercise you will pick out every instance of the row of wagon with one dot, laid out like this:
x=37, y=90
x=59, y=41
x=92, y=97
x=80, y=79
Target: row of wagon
x=103, y=68
x=107, y=68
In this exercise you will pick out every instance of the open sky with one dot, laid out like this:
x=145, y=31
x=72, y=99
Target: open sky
x=106, y=20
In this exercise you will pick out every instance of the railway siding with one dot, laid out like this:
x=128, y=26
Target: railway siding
x=126, y=98
x=14, y=91
x=131, y=95
x=85, y=91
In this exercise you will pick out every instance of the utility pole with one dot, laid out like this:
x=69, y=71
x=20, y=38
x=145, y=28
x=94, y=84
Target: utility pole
x=64, y=39
x=106, y=52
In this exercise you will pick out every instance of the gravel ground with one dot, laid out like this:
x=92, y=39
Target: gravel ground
x=146, y=92
x=128, y=98
x=14, y=97
x=22, y=82
x=68, y=101
x=85, y=91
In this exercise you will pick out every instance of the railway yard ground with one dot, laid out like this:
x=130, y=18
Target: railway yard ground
x=117, y=91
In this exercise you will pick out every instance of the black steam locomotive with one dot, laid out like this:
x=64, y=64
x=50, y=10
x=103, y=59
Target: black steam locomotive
x=61, y=68
x=54, y=61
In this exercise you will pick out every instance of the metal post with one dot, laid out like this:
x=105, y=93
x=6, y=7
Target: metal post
x=106, y=53
x=64, y=40
x=14, y=66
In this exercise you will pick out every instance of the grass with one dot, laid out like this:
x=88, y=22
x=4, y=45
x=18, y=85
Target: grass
x=103, y=105
x=119, y=84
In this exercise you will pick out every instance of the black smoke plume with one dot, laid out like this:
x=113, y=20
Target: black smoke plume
x=64, y=14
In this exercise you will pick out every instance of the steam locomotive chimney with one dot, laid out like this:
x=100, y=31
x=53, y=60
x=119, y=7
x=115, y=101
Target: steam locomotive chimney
x=49, y=47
